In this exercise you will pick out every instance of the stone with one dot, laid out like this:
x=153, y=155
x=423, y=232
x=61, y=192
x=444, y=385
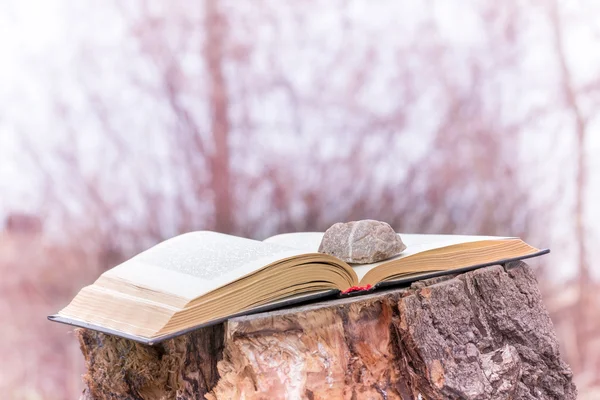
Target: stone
x=361, y=242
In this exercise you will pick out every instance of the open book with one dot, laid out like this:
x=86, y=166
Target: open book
x=201, y=278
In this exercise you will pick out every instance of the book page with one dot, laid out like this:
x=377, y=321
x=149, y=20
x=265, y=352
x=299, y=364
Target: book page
x=418, y=243
x=415, y=243
x=307, y=241
x=196, y=263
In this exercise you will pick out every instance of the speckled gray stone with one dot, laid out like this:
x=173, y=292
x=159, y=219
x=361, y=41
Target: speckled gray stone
x=361, y=242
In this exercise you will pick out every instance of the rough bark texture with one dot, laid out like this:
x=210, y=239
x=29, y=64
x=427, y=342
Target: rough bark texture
x=181, y=368
x=480, y=335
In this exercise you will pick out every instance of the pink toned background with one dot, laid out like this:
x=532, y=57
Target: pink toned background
x=125, y=123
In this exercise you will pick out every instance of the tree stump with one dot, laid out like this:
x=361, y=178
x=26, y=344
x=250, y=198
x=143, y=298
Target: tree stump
x=484, y=334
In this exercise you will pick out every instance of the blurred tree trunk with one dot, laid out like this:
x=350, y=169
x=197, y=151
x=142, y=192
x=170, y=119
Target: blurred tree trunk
x=573, y=108
x=215, y=27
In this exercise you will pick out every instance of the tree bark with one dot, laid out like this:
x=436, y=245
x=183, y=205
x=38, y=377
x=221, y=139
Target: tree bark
x=480, y=335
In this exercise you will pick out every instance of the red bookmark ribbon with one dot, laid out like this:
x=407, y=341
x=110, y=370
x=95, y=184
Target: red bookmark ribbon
x=357, y=289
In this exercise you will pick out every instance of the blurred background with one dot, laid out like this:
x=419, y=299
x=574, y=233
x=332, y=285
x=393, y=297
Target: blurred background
x=125, y=123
